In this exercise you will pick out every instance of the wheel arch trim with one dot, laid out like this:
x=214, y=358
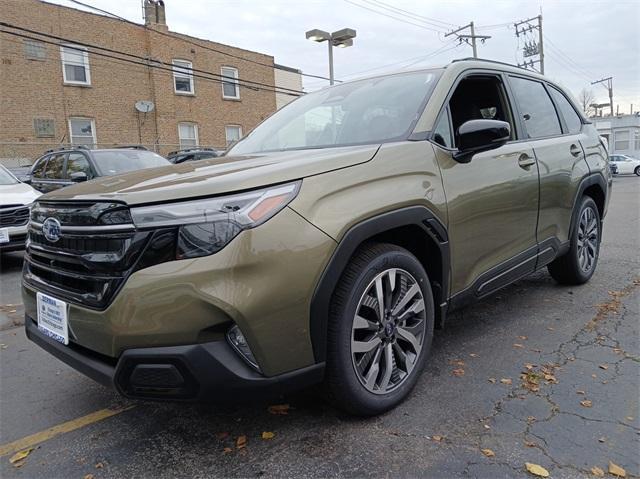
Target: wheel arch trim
x=593, y=179
x=420, y=216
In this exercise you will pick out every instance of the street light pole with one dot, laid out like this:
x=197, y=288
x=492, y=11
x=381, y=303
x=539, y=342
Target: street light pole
x=341, y=38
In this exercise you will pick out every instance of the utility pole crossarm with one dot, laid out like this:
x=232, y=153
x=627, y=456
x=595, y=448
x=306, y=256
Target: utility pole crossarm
x=472, y=36
x=609, y=87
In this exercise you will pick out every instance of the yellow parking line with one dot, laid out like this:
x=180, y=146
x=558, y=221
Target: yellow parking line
x=39, y=437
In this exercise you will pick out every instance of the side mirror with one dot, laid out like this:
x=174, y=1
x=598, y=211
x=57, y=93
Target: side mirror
x=79, y=176
x=475, y=136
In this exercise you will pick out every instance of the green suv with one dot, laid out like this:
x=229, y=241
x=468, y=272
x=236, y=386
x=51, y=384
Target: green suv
x=326, y=246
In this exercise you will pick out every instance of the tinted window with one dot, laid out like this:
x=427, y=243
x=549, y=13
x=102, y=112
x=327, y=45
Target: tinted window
x=114, y=162
x=571, y=118
x=38, y=168
x=442, y=131
x=77, y=162
x=536, y=108
x=54, y=167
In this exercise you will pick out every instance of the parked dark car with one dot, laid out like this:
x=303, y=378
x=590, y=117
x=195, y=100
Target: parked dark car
x=66, y=166
x=192, y=154
x=22, y=173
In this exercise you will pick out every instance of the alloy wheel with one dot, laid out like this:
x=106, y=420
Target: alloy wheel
x=587, y=239
x=388, y=331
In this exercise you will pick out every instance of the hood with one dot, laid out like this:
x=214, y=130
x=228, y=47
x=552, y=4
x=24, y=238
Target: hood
x=216, y=175
x=18, y=194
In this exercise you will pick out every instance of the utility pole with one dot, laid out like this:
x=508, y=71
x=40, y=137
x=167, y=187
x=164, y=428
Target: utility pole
x=531, y=47
x=609, y=86
x=469, y=39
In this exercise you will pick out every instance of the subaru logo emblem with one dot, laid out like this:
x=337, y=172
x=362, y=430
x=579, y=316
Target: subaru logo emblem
x=51, y=229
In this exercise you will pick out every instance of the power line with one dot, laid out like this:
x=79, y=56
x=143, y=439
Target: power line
x=178, y=36
x=246, y=83
x=444, y=26
x=394, y=18
x=149, y=64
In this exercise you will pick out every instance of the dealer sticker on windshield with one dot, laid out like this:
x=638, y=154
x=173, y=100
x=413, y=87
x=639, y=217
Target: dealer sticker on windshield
x=52, y=318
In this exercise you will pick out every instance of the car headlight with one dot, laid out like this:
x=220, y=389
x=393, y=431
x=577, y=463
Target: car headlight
x=206, y=226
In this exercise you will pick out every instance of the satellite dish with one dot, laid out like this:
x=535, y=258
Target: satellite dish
x=144, y=106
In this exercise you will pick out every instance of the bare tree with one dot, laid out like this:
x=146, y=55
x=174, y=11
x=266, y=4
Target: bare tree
x=586, y=98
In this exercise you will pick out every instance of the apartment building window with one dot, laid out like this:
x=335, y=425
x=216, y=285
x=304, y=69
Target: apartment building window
x=183, y=77
x=622, y=140
x=232, y=133
x=82, y=131
x=230, y=86
x=34, y=50
x=44, y=127
x=188, y=135
x=75, y=65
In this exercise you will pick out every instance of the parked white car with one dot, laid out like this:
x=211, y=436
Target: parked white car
x=626, y=164
x=15, y=201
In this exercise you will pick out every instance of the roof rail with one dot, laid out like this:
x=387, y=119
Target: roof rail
x=65, y=148
x=466, y=59
x=186, y=150
x=132, y=147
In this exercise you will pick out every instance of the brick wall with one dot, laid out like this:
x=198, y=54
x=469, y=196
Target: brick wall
x=32, y=88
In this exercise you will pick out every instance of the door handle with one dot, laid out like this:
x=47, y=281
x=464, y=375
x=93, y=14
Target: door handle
x=525, y=161
x=575, y=150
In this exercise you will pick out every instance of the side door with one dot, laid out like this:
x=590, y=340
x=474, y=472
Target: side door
x=492, y=201
x=561, y=160
x=37, y=173
x=54, y=173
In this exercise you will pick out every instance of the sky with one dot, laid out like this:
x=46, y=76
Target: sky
x=584, y=40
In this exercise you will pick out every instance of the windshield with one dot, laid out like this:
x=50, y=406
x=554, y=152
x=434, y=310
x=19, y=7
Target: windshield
x=114, y=162
x=368, y=111
x=6, y=178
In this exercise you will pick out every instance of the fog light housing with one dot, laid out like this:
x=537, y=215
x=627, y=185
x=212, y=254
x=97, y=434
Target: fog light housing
x=239, y=343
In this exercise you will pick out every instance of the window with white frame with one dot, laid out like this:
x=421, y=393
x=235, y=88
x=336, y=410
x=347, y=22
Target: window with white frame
x=230, y=86
x=188, y=135
x=183, y=77
x=622, y=140
x=232, y=133
x=82, y=131
x=75, y=65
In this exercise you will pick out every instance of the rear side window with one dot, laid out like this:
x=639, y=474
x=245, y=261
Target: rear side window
x=54, y=167
x=571, y=118
x=38, y=169
x=537, y=110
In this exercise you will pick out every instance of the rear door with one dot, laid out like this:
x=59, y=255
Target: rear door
x=555, y=131
x=54, y=173
x=492, y=200
x=37, y=173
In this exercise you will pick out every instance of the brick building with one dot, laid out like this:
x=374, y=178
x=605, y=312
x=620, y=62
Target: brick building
x=60, y=89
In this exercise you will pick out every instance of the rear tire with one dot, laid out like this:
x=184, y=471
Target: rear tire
x=637, y=171
x=375, y=354
x=579, y=263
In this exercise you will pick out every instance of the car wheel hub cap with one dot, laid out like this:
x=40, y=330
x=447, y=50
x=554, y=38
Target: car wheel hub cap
x=388, y=331
x=587, y=240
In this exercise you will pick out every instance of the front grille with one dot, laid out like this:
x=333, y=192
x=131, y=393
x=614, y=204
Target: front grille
x=13, y=215
x=92, y=258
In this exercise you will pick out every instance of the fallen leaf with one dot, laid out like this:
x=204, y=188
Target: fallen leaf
x=586, y=403
x=530, y=444
x=488, y=452
x=536, y=470
x=88, y=476
x=20, y=455
x=267, y=435
x=581, y=392
x=457, y=362
x=517, y=345
x=536, y=350
x=241, y=442
x=227, y=450
x=506, y=381
x=531, y=419
x=279, y=409
x=617, y=350
x=473, y=355
x=616, y=470
x=629, y=418
x=529, y=366
x=458, y=372
x=99, y=465
x=437, y=438
x=596, y=471
x=523, y=338
x=594, y=376
x=603, y=366
x=551, y=329
x=492, y=380
x=602, y=439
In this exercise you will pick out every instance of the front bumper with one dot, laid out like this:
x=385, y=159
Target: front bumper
x=17, y=239
x=195, y=372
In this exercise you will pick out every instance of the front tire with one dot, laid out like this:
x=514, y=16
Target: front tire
x=579, y=263
x=637, y=171
x=380, y=330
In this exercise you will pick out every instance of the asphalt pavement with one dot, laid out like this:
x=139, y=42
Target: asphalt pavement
x=539, y=373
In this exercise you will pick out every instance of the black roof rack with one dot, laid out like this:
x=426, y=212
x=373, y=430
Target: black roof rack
x=132, y=147
x=187, y=150
x=65, y=148
x=466, y=59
